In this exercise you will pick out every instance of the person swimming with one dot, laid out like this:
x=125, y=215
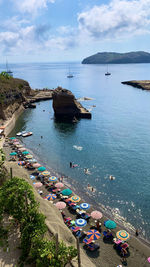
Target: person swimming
x=111, y=177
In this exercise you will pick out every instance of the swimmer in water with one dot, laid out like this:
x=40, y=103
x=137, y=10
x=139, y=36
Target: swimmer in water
x=111, y=177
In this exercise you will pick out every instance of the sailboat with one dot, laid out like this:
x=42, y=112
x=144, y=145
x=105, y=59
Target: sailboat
x=107, y=73
x=70, y=75
x=8, y=70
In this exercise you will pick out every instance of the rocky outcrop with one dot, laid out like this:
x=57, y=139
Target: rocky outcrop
x=66, y=107
x=144, y=85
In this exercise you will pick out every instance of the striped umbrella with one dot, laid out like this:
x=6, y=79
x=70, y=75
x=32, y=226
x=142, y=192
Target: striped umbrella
x=80, y=222
x=110, y=224
x=96, y=215
x=93, y=234
x=52, y=178
x=36, y=165
x=41, y=169
x=122, y=235
x=28, y=156
x=51, y=197
x=38, y=184
x=84, y=206
x=75, y=199
x=60, y=205
x=45, y=173
x=59, y=185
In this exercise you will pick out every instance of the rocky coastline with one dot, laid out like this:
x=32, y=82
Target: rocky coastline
x=142, y=84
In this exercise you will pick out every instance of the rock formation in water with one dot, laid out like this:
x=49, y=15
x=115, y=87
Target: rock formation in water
x=144, y=85
x=66, y=107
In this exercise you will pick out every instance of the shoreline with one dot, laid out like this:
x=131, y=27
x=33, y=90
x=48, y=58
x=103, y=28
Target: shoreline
x=141, y=244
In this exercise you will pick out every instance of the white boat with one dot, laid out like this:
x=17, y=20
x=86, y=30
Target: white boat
x=27, y=134
x=19, y=134
x=107, y=73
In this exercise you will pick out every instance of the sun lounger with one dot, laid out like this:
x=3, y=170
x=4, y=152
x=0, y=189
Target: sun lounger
x=75, y=229
x=87, y=241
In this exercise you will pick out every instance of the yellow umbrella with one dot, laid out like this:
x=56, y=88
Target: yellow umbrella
x=45, y=173
x=75, y=199
x=29, y=156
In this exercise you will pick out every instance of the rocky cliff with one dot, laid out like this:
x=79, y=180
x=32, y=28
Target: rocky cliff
x=66, y=107
x=144, y=85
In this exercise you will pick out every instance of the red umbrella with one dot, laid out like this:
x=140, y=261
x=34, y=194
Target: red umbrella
x=59, y=185
x=60, y=205
x=96, y=215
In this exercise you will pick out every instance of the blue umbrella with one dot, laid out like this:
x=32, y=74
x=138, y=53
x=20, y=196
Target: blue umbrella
x=84, y=206
x=80, y=222
x=110, y=224
x=32, y=177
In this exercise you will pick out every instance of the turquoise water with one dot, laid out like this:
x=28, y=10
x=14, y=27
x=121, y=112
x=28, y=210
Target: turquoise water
x=115, y=141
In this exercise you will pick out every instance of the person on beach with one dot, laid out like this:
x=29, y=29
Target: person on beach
x=137, y=232
x=124, y=253
x=70, y=164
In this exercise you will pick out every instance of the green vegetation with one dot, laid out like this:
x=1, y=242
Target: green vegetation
x=4, y=75
x=17, y=200
x=118, y=58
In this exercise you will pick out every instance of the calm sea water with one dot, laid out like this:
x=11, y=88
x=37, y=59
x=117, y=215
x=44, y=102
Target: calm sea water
x=115, y=141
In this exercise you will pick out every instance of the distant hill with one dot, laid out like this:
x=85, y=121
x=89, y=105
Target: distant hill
x=118, y=58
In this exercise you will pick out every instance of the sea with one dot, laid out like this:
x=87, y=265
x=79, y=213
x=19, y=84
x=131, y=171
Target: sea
x=116, y=141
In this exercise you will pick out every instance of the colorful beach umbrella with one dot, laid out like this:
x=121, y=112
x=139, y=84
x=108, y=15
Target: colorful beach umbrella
x=96, y=215
x=41, y=169
x=32, y=177
x=45, y=173
x=13, y=154
x=110, y=224
x=12, y=138
x=75, y=199
x=25, y=152
x=93, y=234
x=122, y=235
x=28, y=156
x=51, y=196
x=60, y=205
x=37, y=185
x=36, y=165
x=80, y=222
x=52, y=178
x=84, y=206
x=59, y=185
x=66, y=192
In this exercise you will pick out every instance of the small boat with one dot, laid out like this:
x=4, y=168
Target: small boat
x=19, y=134
x=107, y=73
x=69, y=76
x=27, y=134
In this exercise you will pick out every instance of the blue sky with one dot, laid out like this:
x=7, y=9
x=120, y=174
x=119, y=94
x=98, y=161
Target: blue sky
x=69, y=30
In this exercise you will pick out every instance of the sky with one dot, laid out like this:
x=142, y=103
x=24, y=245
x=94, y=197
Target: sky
x=70, y=30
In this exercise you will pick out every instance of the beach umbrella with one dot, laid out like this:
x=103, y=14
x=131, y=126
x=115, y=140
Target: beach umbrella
x=66, y=192
x=93, y=234
x=21, y=163
x=51, y=196
x=45, y=173
x=110, y=224
x=16, y=143
x=12, y=138
x=122, y=235
x=52, y=178
x=41, y=169
x=75, y=199
x=60, y=205
x=148, y=259
x=96, y=215
x=38, y=184
x=84, y=206
x=28, y=156
x=13, y=154
x=80, y=222
x=32, y=177
x=25, y=152
x=22, y=149
x=36, y=165
x=59, y=185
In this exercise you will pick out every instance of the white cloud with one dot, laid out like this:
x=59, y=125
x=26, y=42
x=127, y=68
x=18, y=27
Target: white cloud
x=31, y=6
x=115, y=20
